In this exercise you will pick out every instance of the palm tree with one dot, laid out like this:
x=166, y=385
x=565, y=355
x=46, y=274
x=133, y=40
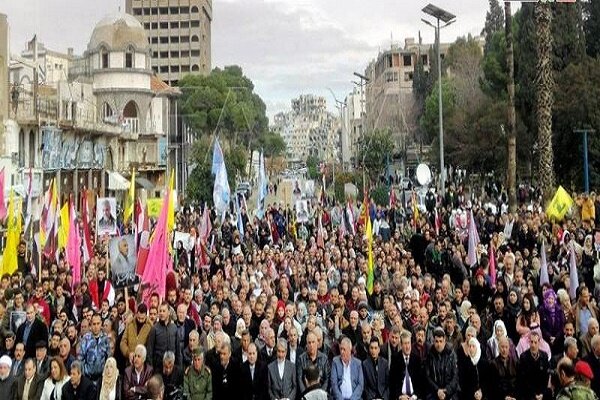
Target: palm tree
x=512, y=137
x=544, y=83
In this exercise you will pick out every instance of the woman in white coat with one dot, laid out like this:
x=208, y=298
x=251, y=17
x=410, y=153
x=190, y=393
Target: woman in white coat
x=54, y=383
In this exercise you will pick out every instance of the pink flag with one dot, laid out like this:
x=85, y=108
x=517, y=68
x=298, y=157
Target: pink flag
x=573, y=277
x=155, y=271
x=205, y=225
x=544, y=278
x=87, y=238
x=2, y=205
x=473, y=241
x=492, y=269
x=74, y=245
x=320, y=239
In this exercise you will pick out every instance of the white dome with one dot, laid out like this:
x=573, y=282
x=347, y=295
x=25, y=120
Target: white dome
x=117, y=32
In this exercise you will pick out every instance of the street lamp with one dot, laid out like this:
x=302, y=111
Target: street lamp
x=447, y=18
x=586, y=166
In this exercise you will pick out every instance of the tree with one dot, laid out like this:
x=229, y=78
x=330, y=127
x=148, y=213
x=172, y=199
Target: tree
x=312, y=166
x=577, y=106
x=592, y=27
x=494, y=22
x=511, y=113
x=272, y=144
x=544, y=97
x=568, y=44
x=430, y=119
x=224, y=102
x=495, y=70
x=376, y=148
x=463, y=62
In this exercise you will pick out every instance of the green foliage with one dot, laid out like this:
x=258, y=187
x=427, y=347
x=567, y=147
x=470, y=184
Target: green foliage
x=592, y=27
x=224, y=102
x=430, y=120
x=568, y=43
x=272, y=144
x=312, y=165
x=494, y=22
x=347, y=177
x=422, y=84
x=577, y=107
x=200, y=184
x=380, y=195
x=495, y=70
x=375, y=150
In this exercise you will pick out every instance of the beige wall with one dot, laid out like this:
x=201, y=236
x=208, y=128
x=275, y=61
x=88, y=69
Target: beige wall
x=4, y=87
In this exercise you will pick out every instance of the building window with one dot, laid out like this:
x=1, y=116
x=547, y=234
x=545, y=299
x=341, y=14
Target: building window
x=195, y=9
x=147, y=25
x=163, y=10
x=185, y=39
x=195, y=68
x=103, y=58
x=155, y=69
x=137, y=11
x=424, y=59
x=185, y=68
x=164, y=40
x=408, y=76
x=195, y=38
x=164, y=54
x=164, y=69
x=129, y=57
x=185, y=53
x=154, y=11
x=155, y=25
x=195, y=53
x=174, y=25
x=107, y=112
x=174, y=68
x=184, y=10
x=174, y=39
x=195, y=24
x=154, y=40
x=407, y=60
x=184, y=24
x=174, y=54
x=155, y=54
x=174, y=10
x=164, y=25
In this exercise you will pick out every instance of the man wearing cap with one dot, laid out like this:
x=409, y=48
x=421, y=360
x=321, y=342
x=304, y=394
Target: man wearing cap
x=6, y=379
x=197, y=383
x=42, y=362
x=584, y=374
x=571, y=389
x=136, y=332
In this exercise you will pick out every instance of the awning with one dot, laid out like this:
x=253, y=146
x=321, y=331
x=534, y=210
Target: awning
x=144, y=183
x=116, y=181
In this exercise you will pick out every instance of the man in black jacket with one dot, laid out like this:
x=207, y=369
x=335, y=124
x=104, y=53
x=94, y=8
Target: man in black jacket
x=254, y=376
x=172, y=375
x=162, y=337
x=441, y=369
x=534, y=370
x=79, y=387
x=406, y=371
x=31, y=331
x=376, y=374
x=226, y=376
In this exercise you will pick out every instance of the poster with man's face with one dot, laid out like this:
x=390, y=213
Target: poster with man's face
x=106, y=216
x=123, y=261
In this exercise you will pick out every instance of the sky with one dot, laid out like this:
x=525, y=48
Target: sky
x=286, y=47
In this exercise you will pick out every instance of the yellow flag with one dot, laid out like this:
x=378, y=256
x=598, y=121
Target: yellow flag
x=63, y=231
x=154, y=206
x=129, y=200
x=370, y=263
x=560, y=205
x=13, y=234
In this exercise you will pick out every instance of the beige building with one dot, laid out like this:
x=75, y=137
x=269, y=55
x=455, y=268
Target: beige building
x=179, y=32
x=4, y=57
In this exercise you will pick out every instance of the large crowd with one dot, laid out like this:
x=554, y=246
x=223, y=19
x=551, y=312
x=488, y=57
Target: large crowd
x=285, y=310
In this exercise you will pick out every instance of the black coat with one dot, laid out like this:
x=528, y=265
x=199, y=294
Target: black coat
x=257, y=388
x=35, y=388
x=398, y=374
x=471, y=377
x=264, y=355
x=85, y=391
x=533, y=375
x=161, y=339
x=226, y=381
x=503, y=379
x=595, y=365
x=376, y=380
x=441, y=372
x=38, y=332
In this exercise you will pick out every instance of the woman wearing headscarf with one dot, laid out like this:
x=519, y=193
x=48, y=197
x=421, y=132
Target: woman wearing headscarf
x=110, y=387
x=552, y=317
x=513, y=303
x=492, y=349
x=588, y=260
x=470, y=367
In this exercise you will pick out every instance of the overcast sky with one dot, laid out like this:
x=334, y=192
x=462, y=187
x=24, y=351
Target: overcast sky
x=287, y=47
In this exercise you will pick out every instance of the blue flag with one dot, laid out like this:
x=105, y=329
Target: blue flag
x=221, y=191
x=217, y=159
x=262, y=187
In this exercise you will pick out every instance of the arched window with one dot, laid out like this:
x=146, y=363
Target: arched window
x=195, y=38
x=130, y=117
x=194, y=9
x=104, y=59
x=195, y=68
x=130, y=57
x=107, y=112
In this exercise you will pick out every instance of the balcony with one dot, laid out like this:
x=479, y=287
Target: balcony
x=131, y=125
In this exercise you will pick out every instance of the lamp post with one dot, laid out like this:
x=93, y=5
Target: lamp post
x=586, y=166
x=447, y=18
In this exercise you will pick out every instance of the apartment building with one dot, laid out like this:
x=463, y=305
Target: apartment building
x=179, y=32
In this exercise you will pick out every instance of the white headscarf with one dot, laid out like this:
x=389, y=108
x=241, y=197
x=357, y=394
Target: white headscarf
x=493, y=341
x=475, y=359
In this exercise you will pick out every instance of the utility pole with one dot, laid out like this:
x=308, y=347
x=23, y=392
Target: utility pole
x=586, y=166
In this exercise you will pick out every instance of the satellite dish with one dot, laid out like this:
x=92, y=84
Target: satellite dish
x=423, y=174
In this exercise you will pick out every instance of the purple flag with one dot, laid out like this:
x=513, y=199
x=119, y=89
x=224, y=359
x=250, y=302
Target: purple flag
x=473, y=241
x=543, y=265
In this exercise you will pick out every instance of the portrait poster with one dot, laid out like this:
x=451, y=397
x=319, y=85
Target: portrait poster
x=17, y=318
x=302, y=211
x=123, y=261
x=185, y=238
x=106, y=216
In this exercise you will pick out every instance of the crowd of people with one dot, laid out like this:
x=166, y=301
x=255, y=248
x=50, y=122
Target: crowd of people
x=286, y=310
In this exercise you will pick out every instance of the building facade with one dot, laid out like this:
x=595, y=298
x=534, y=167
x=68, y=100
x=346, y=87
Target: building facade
x=91, y=125
x=309, y=130
x=353, y=119
x=179, y=32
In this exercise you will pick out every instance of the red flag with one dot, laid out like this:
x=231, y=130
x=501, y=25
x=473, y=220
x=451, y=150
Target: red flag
x=438, y=222
x=393, y=199
x=155, y=271
x=88, y=249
